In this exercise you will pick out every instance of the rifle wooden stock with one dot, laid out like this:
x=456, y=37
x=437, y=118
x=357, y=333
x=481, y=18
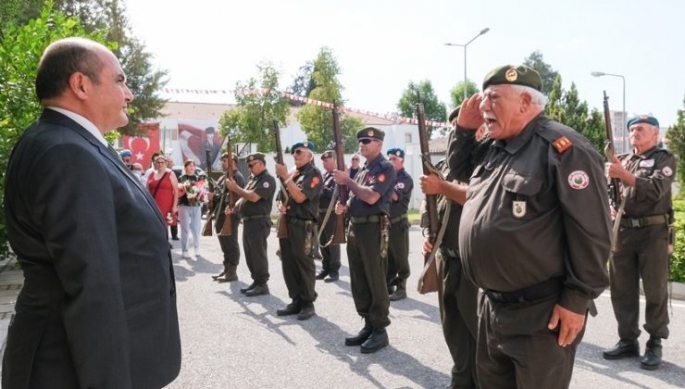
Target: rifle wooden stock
x=228, y=220
x=207, y=228
x=610, y=153
x=339, y=231
x=282, y=231
x=429, y=277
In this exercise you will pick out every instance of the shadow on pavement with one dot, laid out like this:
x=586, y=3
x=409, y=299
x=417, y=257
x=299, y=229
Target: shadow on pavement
x=198, y=265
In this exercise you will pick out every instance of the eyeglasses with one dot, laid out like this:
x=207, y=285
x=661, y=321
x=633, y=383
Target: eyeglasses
x=366, y=141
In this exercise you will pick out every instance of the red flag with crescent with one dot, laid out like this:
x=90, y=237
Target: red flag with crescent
x=142, y=147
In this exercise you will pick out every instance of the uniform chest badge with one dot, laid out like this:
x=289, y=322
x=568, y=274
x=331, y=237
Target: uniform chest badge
x=265, y=185
x=519, y=209
x=667, y=171
x=578, y=180
x=647, y=163
x=381, y=177
x=400, y=185
x=315, y=182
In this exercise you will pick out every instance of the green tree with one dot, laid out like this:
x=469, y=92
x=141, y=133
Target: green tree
x=676, y=144
x=457, y=93
x=251, y=121
x=20, y=50
x=433, y=107
x=317, y=122
x=303, y=84
x=548, y=74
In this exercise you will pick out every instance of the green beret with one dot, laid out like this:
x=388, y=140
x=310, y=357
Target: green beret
x=396, y=152
x=328, y=154
x=254, y=156
x=234, y=156
x=649, y=119
x=304, y=144
x=453, y=115
x=514, y=75
x=371, y=132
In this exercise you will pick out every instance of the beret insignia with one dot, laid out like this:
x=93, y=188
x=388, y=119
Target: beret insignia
x=511, y=75
x=370, y=132
x=562, y=144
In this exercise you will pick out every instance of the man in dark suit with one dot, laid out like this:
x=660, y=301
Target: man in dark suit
x=98, y=307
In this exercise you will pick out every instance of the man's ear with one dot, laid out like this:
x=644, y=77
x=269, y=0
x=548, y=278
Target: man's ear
x=79, y=84
x=526, y=99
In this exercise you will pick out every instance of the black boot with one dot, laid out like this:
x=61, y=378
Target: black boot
x=290, y=309
x=229, y=274
x=259, y=290
x=400, y=292
x=623, y=349
x=322, y=274
x=652, y=358
x=332, y=277
x=377, y=340
x=174, y=232
x=362, y=336
x=252, y=286
x=307, y=311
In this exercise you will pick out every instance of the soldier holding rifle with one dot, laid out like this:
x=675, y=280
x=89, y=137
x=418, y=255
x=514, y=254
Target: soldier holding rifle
x=330, y=266
x=367, y=239
x=398, y=248
x=534, y=234
x=222, y=199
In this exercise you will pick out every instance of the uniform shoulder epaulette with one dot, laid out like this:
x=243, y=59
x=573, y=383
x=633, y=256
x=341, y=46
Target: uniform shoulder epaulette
x=556, y=138
x=562, y=144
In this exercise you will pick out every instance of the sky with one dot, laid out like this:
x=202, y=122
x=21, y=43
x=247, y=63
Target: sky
x=382, y=45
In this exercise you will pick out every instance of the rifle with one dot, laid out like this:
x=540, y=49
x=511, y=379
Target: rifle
x=226, y=228
x=339, y=230
x=282, y=223
x=610, y=153
x=207, y=228
x=428, y=281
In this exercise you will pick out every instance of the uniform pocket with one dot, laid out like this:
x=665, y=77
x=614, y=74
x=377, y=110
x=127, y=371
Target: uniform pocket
x=522, y=185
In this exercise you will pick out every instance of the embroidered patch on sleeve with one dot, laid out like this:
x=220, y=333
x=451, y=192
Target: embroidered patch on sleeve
x=667, y=171
x=562, y=144
x=381, y=177
x=578, y=180
x=315, y=182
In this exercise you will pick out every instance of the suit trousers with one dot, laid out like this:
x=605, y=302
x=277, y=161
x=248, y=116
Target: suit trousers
x=367, y=273
x=298, y=268
x=255, y=233
x=643, y=253
x=458, y=302
x=229, y=243
x=190, y=218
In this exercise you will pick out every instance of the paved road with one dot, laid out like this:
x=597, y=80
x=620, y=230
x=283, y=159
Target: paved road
x=233, y=341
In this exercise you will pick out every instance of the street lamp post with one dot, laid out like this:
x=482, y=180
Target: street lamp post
x=483, y=31
x=624, y=131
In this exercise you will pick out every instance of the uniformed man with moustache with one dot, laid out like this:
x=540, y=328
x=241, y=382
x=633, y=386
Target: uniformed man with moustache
x=229, y=243
x=254, y=205
x=301, y=210
x=330, y=266
x=367, y=239
x=398, y=248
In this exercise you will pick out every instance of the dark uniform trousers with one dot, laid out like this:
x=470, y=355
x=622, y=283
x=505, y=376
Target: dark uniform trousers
x=643, y=253
x=398, y=250
x=515, y=346
x=458, y=300
x=331, y=253
x=255, y=232
x=368, y=272
x=298, y=268
x=229, y=244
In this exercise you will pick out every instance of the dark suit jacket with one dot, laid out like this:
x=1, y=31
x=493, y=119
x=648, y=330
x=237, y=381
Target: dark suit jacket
x=98, y=306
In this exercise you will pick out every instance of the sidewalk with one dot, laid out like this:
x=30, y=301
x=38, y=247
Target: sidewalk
x=11, y=281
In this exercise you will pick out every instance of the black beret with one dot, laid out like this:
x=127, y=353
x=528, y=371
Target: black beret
x=371, y=132
x=453, y=115
x=513, y=75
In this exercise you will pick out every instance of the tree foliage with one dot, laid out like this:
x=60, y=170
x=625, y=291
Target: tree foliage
x=317, y=122
x=251, y=121
x=676, y=144
x=433, y=107
x=303, y=84
x=548, y=74
x=457, y=93
x=20, y=50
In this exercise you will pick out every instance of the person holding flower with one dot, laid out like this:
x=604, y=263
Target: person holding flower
x=193, y=193
x=163, y=187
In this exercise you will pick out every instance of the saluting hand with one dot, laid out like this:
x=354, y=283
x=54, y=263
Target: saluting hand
x=571, y=324
x=430, y=184
x=470, y=117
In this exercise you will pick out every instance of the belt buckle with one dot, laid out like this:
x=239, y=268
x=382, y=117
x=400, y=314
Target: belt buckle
x=635, y=223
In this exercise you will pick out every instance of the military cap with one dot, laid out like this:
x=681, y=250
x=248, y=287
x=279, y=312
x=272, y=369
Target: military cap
x=234, y=156
x=396, y=152
x=255, y=156
x=328, y=154
x=304, y=144
x=513, y=75
x=125, y=153
x=371, y=132
x=649, y=119
x=453, y=115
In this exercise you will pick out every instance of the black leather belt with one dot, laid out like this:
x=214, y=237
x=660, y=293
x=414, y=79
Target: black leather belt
x=366, y=219
x=246, y=218
x=299, y=222
x=397, y=219
x=531, y=293
x=640, y=222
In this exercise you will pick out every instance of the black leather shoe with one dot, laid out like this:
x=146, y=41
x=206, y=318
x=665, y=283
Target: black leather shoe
x=259, y=290
x=321, y=275
x=290, y=309
x=652, y=358
x=245, y=290
x=623, y=349
x=361, y=337
x=332, y=277
x=307, y=311
x=377, y=340
x=399, y=294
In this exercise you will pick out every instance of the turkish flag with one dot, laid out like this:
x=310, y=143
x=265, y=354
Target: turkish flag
x=142, y=147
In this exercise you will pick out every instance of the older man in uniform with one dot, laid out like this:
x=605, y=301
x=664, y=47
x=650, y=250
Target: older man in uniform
x=534, y=233
x=642, y=250
x=330, y=266
x=398, y=248
x=229, y=243
x=301, y=210
x=255, y=208
x=367, y=239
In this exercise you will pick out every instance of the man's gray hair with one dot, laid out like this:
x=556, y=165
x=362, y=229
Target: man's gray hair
x=536, y=96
